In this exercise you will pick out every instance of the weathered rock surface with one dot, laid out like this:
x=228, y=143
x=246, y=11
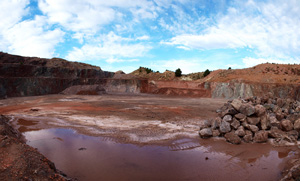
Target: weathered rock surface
x=20, y=161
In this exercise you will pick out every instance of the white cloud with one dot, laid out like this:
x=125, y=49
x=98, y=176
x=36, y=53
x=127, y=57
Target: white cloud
x=11, y=12
x=270, y=28
x=32, y=38
x=250, y=62
x=89, y=16
x=186, y=66
x=145, y=37
x=115, y=60
x=109, y=47
x=212, y=40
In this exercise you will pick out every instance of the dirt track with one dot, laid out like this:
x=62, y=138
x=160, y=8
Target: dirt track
x=134, y=118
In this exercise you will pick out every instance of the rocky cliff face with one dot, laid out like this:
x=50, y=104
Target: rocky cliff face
x=28, y=76
x=235, y=89
x=228, y=90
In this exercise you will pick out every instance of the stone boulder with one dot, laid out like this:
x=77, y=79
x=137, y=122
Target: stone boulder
x=253, y=128
x=232, y=138
x=236, y=104
x=248, y=136
x=261, y=137
x=216, y=123
x=240, y=116
x=265, y=122
x=286, y=125
x=253, y=120
x=225, y=127
x=260, y=110
x=276, y=133
x=235, y=123
x=227, y=118
x=274, y=122
x=297, y=125
x=247, y=109
x=216, y=133
x=205, y=133
x=240, y=131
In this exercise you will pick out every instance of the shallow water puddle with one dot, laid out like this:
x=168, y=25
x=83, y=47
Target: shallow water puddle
x=99, y=158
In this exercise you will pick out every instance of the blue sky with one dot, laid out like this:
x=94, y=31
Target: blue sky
x=193, y=35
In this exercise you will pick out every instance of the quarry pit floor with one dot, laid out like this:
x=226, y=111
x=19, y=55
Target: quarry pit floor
x=131, y=118
x=138, y=137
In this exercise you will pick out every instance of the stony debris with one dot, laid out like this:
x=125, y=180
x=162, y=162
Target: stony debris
x=256, y=119
x=19, y=161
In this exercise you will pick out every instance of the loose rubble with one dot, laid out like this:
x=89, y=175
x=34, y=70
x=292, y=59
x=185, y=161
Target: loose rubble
x=256, y=119
x=19, y=161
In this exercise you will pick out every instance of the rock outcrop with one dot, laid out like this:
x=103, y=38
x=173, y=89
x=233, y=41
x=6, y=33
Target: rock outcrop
x=257, y=119
x=19, y=161
x=29, y=76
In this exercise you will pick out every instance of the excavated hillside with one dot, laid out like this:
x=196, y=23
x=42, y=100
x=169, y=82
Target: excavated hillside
x=280, y=79
x=263, y=73
x=29, y=76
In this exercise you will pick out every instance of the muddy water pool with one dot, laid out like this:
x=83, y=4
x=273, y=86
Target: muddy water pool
x=100, y=158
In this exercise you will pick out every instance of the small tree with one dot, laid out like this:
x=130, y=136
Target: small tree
x=206, y=73
x=229, y=68
x=178, y=72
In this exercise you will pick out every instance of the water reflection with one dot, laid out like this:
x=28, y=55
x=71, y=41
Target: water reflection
x=98, y=158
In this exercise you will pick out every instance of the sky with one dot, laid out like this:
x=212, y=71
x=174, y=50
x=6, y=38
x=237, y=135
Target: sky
x=193, y=35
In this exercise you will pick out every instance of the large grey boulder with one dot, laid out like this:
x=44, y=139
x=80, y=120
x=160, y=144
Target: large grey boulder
x=225, y=127
x=216, y=123
x=205, y=133
x=247, y=109
x=227, y=118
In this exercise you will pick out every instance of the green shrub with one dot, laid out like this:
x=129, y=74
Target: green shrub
x=178, y=72
x=206, y=73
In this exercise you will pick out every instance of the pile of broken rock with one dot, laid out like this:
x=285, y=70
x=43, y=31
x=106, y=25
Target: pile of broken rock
x=256, y=120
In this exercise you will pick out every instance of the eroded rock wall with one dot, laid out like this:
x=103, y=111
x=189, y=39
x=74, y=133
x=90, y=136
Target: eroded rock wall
x=230, y=90
x=30, y=76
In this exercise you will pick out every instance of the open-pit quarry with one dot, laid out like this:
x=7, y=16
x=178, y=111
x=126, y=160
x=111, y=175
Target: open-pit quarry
x=68, y=121
x=134, y=137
